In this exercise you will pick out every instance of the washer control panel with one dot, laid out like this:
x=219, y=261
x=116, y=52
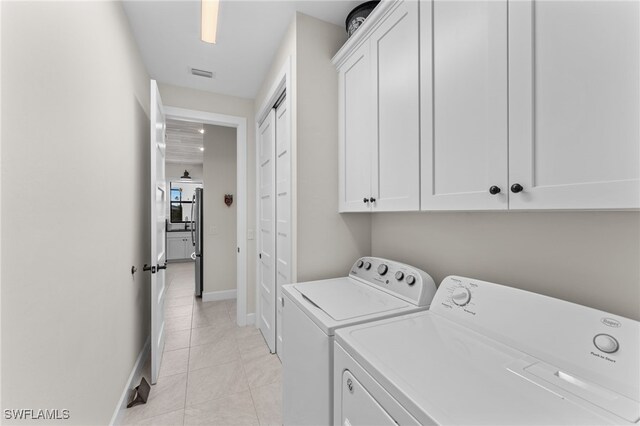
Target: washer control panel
x=592, y=345
x=406, y=282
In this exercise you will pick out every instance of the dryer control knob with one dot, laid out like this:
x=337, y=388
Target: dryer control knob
x=411, y=280
x=367, y=265
x=461, y=296
x=360, y=263
x=607, y=344
x=399, y=275
x=382, y=269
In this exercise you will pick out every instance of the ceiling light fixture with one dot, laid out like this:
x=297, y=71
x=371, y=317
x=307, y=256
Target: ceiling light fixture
x=202, y=148
x=201, y=131
x=209, y=20
x=185, y=175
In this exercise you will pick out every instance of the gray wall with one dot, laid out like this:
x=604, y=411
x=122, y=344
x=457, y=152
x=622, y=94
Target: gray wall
x=326, y=242
x=590, y=258
x=75, y=152
x=219, y=178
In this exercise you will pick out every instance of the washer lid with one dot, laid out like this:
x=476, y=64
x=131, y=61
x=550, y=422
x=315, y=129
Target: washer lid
x=345, y=299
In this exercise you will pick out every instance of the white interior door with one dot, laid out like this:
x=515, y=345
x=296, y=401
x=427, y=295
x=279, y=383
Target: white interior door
x=158, y=216
x=283, y=213
x=267, y=242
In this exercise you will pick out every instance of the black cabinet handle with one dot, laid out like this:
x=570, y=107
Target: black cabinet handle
x=161, y=267
x=152, y=269
x=516, y=187
x=494, y=190
x=365, y=200
x=372, y=200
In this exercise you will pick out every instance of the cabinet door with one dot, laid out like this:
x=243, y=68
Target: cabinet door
x=574, y=130
x=396, y=69
x=356, y=125
x=464, y=105
x=188, y=247
x=175, y=247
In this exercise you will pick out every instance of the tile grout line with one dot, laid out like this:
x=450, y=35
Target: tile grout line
x=186, y=389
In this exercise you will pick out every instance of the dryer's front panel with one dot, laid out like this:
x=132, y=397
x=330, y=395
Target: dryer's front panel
x=359, y=407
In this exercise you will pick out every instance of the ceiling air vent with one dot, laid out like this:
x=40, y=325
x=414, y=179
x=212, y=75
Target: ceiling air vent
x=201, y=73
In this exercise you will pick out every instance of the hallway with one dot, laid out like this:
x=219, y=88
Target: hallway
x=213, y=372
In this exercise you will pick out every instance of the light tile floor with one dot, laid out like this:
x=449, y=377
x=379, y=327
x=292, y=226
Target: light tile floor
x=213, y=372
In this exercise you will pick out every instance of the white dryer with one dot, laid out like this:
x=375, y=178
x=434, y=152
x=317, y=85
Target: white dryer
x=486, y=354
x=312, y=312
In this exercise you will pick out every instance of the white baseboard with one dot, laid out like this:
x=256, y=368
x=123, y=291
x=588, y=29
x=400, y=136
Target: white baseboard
x=251, y=319
x=132, y=381
x=214, y=296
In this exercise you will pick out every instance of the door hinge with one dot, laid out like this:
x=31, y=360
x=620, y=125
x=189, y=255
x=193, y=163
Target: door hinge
x=260, y=256
x=238, y=249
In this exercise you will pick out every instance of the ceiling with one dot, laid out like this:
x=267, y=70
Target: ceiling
x=249, y=33
x=185, y=142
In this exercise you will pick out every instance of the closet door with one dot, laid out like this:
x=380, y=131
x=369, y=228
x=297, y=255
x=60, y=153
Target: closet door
x=267, y=239
x=574, y=104
x=395, y=68
x=464, y=105
x=356, y=126
x=283, y=213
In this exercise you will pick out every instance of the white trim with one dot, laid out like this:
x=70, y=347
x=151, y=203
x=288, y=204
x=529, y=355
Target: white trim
x=282, y=83
x=240, y=123
x=134, y=378
x=373, y=21
x=251, y=319
x=214, y=296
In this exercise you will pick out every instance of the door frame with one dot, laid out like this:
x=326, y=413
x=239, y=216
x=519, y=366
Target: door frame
x=240, y=124
x=281, y=83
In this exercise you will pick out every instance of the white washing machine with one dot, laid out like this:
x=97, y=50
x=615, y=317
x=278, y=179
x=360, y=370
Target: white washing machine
x=375, y=289
x=486, y=354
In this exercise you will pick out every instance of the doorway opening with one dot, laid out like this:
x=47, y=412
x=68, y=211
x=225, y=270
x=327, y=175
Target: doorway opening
x=224, y=208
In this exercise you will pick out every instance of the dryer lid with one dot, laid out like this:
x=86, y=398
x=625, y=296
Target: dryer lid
x=346, y=298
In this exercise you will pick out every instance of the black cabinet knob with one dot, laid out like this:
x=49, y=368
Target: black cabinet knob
x=516, y=187
x=373, y=200
x=494, y=190
x=365, y=200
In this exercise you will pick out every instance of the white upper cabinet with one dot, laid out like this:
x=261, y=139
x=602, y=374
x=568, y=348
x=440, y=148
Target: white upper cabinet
x=491, y=105
x=379, y=121
x=463, y=52
x=396, y=76
x=574, y=113
x=356, y=127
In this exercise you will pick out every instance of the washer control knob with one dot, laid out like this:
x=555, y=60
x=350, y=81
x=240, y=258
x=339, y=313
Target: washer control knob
x=606, y=343
x=360, y=263
x=461, y=296
x=367, y=265
x=411, y=280
x=382, y=269
x=399, y=275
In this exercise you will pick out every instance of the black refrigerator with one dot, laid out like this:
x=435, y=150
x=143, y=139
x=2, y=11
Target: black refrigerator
x=196, y=237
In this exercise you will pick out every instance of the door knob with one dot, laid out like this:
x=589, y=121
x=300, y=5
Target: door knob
x=365, y=200
x=372, y=200
x=162, y=267
x=149, y=268
x=516, y=187
x=494, y=190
